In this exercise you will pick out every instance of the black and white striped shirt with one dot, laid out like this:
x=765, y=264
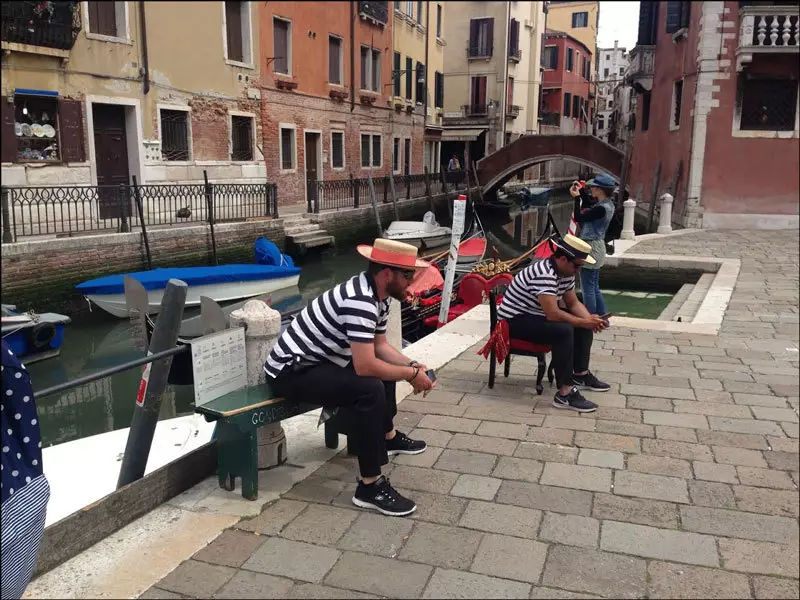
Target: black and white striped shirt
x=522, y=297
x=323, y=331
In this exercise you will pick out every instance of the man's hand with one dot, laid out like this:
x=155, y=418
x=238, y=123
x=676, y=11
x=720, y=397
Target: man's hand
x=595, y=323
x=420, y=382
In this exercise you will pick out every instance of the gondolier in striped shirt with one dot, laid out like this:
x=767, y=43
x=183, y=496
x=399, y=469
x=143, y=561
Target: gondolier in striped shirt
x=531, y=307
x=335, y=353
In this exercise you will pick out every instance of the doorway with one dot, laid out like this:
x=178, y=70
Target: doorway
x=312, y=165
x=111, y=158
x=407, y=156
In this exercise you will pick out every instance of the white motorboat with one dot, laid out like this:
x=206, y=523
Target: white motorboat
x=424, y=234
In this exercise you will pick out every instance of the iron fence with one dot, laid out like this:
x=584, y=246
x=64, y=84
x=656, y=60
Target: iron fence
x=335, y=194
x=71, y=210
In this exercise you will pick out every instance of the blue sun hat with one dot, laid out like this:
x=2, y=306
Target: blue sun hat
x=603, y=181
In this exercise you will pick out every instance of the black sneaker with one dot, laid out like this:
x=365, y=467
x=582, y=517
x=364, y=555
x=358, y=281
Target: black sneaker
x=381, y=496
x=574, y=401
x=590, y=382
x=402, y=444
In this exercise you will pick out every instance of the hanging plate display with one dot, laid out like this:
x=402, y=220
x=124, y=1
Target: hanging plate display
x=26, y=130
x=17, y=129
x=49, y=131
x=37, y=130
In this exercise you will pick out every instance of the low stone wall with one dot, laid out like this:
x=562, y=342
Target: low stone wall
x=42, y=275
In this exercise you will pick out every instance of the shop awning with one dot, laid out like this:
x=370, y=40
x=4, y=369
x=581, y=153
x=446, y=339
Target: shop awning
x=461, y=135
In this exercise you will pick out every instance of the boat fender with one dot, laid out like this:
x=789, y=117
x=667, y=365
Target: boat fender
x=40, y=335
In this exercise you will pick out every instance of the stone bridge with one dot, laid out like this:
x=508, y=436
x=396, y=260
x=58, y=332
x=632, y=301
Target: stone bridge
x=497, y=168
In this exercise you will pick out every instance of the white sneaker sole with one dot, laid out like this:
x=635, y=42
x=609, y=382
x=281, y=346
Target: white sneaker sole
x=370, y=506
x=583, y=386
x=394, y=452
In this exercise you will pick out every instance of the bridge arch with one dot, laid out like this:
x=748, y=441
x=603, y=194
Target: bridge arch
x=497, y=168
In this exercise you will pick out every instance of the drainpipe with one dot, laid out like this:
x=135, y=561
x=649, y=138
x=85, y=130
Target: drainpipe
x=505, y=80
x=145, y=61
x=352, y=55
x=427, y=66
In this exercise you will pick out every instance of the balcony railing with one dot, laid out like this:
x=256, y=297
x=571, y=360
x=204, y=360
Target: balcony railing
x=376, y=11
x=35, y=24
x=514, y=54
x=550, y=118
x=767, y=29
x=642, y=67
x=475, y=110
x=512, y=111
x=479, y=51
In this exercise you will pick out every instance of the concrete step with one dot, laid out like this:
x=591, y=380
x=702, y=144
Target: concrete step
x=300, y=228
x=307, y=235
x=318, y=241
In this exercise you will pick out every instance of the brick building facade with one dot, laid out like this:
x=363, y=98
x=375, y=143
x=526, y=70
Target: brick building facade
x=566, y=83
x=717, y=112
x=327, y=110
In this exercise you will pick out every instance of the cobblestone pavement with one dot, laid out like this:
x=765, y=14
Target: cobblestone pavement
x=683, y=484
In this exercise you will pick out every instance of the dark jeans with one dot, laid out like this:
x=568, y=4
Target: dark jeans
x=369, y=404
x=592, y=296
x=571, y=346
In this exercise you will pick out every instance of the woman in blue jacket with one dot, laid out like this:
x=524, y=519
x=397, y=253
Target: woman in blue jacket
x=594, y=218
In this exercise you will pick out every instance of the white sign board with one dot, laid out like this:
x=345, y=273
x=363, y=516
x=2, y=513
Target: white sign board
x=219, y=364
x=459, y=212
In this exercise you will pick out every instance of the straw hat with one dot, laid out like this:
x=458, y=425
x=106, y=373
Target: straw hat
x=392, y=254
x=575, y=248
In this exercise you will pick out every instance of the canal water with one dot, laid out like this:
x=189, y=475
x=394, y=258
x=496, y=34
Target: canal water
x=98, y=341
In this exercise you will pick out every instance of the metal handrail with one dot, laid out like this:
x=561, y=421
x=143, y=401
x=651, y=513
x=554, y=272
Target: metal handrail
x=68, y=385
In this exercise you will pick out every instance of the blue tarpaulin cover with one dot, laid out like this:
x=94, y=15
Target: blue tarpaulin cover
x=268, y=253
x=156, y=279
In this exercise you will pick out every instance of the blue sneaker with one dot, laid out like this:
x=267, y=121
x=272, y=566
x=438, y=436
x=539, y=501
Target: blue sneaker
x=574, y=401
x=590, y=382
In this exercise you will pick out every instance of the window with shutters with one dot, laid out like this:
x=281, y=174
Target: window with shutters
x=513, y=40
x=570, y=59
x=396, y=73
x=580, y=19
x=677, y=98
x=567, y=104
x=645, y=111
x=288, y=149
x=370, y=69
x=550, y=57
x=421, y=12
x=238, y=35
x=175, y=136
x=242, y=131
x=576, y=107
x=438, y=101
x=481, y=38
x=282, y=46
x=371, y=145
x=396, y=155
x=601, y=123
x=335, y=60
x=34, y=131
x=439, y=21
x=648, y=22
x=478, y=96
x=766, y=104
x=107, y=19
x=420, y=79
x=337, y=150
x=409, y=74
x=678, y=14
x=605, y=73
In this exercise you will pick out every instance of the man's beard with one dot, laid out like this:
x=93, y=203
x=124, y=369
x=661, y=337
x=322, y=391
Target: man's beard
x=397, y=292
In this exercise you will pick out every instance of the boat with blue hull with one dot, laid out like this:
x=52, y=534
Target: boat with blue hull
x=32, y=336
x=226, y=283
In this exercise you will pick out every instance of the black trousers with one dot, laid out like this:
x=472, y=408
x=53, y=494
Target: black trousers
x=571, y=346
x=369, y=406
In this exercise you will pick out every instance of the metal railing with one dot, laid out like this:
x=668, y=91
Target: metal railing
x=475, y=110
x=514, y=54
x=71, y=210
x=335, y=194
x=47, y=24
x=480, y=51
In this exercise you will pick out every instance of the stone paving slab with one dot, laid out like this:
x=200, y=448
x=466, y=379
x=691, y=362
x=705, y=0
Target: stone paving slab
x=683, y=484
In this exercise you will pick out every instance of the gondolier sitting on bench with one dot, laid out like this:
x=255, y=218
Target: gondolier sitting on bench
x=335, y=353
x=531, y=307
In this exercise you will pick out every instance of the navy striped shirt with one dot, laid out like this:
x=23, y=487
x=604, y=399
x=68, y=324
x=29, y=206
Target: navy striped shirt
x=323, y=331
x=522, y=297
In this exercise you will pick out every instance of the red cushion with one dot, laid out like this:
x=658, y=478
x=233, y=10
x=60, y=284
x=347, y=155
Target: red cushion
x=529, y=346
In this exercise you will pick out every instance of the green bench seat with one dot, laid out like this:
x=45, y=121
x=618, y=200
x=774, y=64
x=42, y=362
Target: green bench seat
x=238, y=416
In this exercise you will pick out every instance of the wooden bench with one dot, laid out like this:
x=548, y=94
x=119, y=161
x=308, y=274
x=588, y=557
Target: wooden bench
x=238, y=416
